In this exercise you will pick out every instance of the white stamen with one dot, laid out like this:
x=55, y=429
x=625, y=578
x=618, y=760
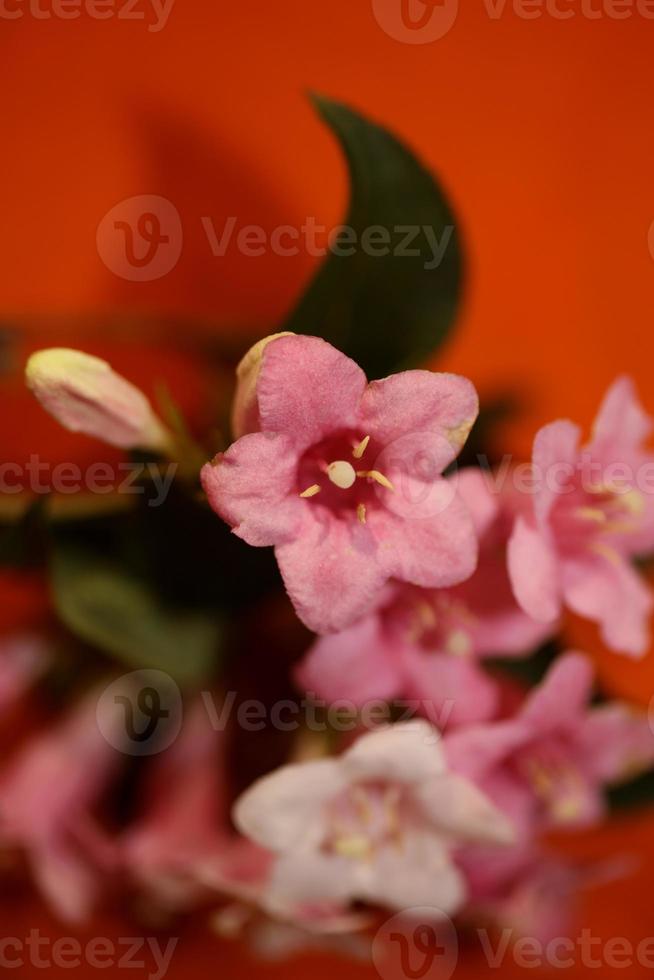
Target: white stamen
x=311, y=491
x=361, y=513
x=341, y=473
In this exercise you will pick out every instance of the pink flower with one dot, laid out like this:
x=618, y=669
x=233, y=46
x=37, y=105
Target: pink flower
x=22, y=660
x=425, y=645
x=47, y=795
x=533, y=894
x=184, y=823
x=376, y=824
x=85, y=395
x=343, y=478
x=547, y=767
x=587, y=516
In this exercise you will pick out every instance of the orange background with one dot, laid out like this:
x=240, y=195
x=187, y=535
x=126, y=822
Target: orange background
x=540, y=129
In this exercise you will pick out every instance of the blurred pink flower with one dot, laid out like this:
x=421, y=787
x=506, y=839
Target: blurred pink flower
x=588, y=515
x=183, y=822
x=344, y=478
x=376, y=824
x=47, y=795
x=425, y=645
x=23, y=658
x=548, y=766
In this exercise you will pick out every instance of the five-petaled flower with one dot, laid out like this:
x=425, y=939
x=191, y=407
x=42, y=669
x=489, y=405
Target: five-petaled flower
x=344, y=477
x=548, y=765
x=588, y=515
x=426, y=644
x=376, y=824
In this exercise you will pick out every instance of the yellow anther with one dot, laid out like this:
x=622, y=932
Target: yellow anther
x=566, y=810
x=341, y=473
x=606, y=551
x=591, y=514
x=458, y=643
x=355, y=846
x=311, y=491
x=361, y=513
x=377, y=477
x=634, y=501
x=360, y=449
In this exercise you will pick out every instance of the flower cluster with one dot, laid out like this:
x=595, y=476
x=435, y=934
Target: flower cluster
x=420, y=582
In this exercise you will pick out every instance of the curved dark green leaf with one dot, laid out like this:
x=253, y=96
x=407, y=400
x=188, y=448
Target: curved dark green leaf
x=108, y=607
x=392, y=310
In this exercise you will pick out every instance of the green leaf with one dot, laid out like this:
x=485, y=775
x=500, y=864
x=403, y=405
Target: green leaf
x=392, y=311
x=117, y=612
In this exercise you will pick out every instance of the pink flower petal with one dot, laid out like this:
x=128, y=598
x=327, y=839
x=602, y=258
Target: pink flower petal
x=616, y=742
x=621, y=423
x=283, y=810
x=306, y=878
x=474, y=488
x=358, y=664
x=307, y=389
x=533, y=570
x=563, y=695
x=475, y=751
x=407, y=752
x=421, y=873
x=609, y=591
x=421, y=402
x=66, y=881
x=555, y=462
x=331, y=571
x=433, y=552
x=455, y=806
x=253, y=488
x=452, y=690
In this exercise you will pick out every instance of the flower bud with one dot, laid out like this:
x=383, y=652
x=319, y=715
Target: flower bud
x=85, y=395
x=245, y=410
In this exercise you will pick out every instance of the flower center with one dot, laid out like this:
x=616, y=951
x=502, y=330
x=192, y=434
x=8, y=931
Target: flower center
x=438, y=623
x=364, y=819
x=325, y=470
x=556, y=782
x=597, y=512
